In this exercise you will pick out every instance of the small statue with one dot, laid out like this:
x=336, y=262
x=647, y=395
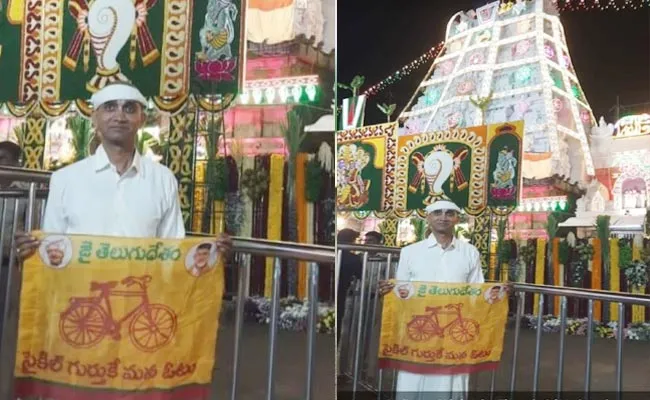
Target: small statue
x=505, y=7
x=463, y=23
x=519, y=7
x=603, y=129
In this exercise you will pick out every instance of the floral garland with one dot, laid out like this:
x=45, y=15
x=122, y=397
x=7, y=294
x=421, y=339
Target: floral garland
x=235, y=212
x=564, y=251
x=217, y=178
x=624, y=252
x=294, y=314
x=255, y=183
x=578, y=268
x=585, y=252
x=312, y=180
x=579, y=326
x=636, y=274
x=329, y=225
x=274, y=219
x=527, y=254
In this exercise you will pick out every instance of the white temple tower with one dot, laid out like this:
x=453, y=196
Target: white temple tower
x=516, y=55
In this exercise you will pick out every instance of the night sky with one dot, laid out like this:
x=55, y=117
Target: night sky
x=610, y=50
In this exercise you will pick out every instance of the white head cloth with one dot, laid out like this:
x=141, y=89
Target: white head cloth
x=56, y=244
x=117, y=91
x=442, y=205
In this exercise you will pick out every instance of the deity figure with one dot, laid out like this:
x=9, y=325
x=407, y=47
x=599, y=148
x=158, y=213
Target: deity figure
x=503, y=186
x=218, y=31
x=352, y=191
x=505, y=171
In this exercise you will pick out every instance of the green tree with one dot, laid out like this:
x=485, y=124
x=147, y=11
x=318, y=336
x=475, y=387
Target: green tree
x=82, y=136
x=354, y=86
x=387, y=109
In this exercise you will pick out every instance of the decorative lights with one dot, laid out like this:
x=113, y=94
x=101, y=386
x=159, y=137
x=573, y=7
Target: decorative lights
x=549, y=52
x=573, y=106
x=405, y=70
x=523, y=75
x=311, y=92
x=476, y=58
x=296, y=92
x=601, y=5
x=257, y=95
x=283, y=92
x=543, y=204
x=244, y=97
x=550, y=55
x=562, y=5
x=280, y=90
x=269, y=94
x=632, y=125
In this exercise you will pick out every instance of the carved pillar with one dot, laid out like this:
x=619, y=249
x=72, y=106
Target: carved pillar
x=389, y=230
x=180, y=159
x=34, y=140
x=481, y=237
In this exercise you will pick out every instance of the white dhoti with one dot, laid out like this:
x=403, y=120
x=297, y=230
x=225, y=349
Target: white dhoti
x=428, y=261
x=412, y=386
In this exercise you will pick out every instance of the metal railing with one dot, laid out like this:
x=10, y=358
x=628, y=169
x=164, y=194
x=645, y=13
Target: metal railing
x=359, y=342
x=27, y=208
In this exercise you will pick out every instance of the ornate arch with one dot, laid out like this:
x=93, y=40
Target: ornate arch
x=618, y=187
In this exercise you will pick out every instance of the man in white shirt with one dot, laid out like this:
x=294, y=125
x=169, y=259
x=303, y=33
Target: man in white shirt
x=438, y=258
x=116, y=191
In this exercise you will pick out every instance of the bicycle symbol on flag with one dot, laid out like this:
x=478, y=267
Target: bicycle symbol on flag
x=87, y=320
x=424, y=327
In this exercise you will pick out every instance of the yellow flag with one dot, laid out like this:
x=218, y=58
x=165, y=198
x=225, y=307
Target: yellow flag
x=113, y=318
x=443, y=328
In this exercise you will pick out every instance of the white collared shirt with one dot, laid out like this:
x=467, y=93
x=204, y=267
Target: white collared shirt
x=426, y=260
x=89, y=197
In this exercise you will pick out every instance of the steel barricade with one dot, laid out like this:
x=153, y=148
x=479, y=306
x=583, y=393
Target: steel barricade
x=303, y=366
x=358, y=361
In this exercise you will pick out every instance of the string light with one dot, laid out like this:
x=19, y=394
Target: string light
x=561, y=5
x=601, y=5
x=405, y=70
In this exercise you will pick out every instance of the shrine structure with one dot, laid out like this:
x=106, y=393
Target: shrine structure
x=505, y=62
x=621, y=188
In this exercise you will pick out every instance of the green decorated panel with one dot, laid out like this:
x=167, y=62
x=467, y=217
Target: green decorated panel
x=449, y=165
x=474, y=167
x=365, y=168
x=54, y=50
x=505, y=166
x=438, y=171
x=361, y=176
